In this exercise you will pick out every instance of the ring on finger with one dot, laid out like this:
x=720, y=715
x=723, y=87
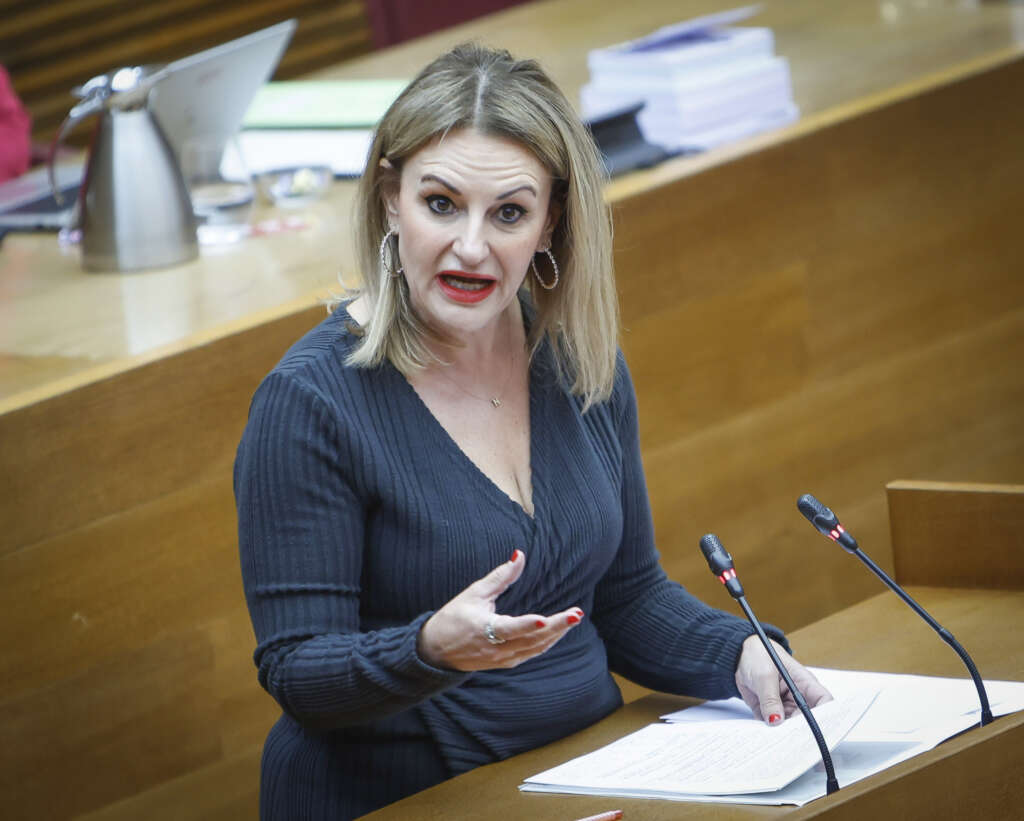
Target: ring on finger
x=489, y=633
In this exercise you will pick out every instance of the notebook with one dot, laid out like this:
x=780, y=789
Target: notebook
x=329, y=104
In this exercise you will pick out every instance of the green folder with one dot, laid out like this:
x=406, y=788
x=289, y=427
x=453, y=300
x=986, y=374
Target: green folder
x=322, y=103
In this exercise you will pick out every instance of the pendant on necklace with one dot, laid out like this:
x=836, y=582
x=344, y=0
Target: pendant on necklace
x=496, y=401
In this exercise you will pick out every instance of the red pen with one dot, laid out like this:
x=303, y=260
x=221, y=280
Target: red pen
x=611, y=815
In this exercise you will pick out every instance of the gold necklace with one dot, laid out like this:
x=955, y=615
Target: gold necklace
x=494, y=400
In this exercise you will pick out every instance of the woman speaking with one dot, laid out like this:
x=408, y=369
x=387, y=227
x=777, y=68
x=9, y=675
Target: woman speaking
x=445, y=535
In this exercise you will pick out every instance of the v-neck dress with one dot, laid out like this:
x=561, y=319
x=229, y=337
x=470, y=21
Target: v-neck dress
x=359, y=516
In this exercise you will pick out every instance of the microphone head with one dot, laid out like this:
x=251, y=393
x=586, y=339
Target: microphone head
x=720, y=563
x=825, y=521
x=718, y=559
x=816, y=513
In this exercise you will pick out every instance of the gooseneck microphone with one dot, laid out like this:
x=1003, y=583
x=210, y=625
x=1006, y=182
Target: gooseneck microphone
x=826, y=523
x=722, y=567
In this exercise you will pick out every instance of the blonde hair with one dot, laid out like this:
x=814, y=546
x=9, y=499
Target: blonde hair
x=498, y=96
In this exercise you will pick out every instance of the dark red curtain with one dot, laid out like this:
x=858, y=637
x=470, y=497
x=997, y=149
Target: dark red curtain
x=393, y=21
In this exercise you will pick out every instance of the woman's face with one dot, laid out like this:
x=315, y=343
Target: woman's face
x=470, y=212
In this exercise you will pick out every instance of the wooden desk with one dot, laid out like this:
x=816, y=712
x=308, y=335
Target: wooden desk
x=975, y=776
x=819, y=309
x=61, y=328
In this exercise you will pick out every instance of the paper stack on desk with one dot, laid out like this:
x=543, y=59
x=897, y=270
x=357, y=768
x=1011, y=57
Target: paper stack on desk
x=703, y=82
x=716, y=752
x=728, y=760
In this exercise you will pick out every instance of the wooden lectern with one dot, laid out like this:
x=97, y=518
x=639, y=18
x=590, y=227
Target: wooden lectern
x=943, y=534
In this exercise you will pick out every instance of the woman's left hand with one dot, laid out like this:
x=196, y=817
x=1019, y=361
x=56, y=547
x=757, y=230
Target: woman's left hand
x=763, y=688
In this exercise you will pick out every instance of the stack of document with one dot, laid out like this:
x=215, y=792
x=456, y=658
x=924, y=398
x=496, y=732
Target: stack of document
x=703, y=82
x=716, y=752
x=736, y=759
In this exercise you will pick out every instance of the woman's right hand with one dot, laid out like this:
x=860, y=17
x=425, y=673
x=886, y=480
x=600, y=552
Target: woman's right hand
x=455, y=637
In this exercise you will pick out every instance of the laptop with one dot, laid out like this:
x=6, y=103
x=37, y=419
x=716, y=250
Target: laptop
x=206, y=93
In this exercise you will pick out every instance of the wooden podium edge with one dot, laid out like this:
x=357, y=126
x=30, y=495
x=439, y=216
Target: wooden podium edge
x=952, y=487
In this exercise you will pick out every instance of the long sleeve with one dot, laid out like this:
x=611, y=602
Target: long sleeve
x=655, y=632
x=301, y=503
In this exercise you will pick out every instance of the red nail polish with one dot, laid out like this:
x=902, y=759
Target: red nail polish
x=573, y=619
x=774, y=718
x=539, y=623
x=515, y=555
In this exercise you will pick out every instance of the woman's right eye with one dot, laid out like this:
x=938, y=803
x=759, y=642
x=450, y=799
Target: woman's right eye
x=440, y=204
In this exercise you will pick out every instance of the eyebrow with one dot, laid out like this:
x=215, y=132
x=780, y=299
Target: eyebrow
x=454, y=190
x=523, y=187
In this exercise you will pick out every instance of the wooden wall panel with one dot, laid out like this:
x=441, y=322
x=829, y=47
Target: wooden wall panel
x=128, y=648
x=822, y=316
x=128, y=654
x=741, y=478
x=697, y=351
x=113, y=729
x=164, y=425
x=898, y=252
x=118, y=584
x=222, y=792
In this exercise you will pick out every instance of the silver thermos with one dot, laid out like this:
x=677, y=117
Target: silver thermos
x=134, y=209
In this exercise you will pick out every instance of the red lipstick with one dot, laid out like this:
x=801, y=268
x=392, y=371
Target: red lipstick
x=465, y=288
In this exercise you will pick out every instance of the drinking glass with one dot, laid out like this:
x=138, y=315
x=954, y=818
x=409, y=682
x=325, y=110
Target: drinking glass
x=220, y=186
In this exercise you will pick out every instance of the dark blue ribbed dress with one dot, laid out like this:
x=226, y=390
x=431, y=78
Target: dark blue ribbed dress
x=359, y=516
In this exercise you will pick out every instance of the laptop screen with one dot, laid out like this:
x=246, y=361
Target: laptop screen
x=204, y=94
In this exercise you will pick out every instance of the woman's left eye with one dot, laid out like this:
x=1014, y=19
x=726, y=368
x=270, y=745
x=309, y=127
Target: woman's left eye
x=510, y=213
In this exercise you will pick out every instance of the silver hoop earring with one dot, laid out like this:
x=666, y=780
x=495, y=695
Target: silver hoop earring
x=388, y=255
x=536, y=273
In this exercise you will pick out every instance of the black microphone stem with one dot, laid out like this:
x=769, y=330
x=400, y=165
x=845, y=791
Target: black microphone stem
x=944, y=634
x=720, y=564
x=831, y=784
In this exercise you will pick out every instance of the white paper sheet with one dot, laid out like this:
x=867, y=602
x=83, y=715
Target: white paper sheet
x=911, y=715
x=719, y=757
x=904, y=716
x=915, y=707
x=343, y=150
